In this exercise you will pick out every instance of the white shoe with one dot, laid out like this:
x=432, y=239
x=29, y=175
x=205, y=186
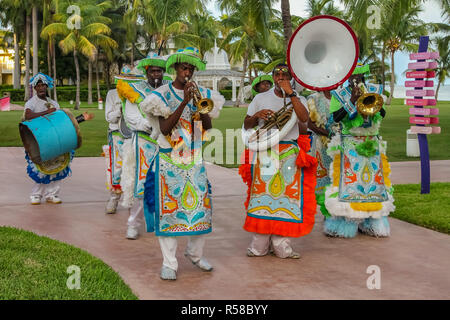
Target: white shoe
x=35, y=200
x=293, y=255
x=53, y=199
x=168, y=274
x=202, y=263
x=111, y=205
x=132, y=233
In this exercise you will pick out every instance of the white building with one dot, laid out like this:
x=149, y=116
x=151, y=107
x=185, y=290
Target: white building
x=218, y=73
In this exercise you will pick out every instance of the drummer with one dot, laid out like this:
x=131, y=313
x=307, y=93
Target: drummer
x=45, y=185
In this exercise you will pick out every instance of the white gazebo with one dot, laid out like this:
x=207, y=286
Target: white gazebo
x=218, y=73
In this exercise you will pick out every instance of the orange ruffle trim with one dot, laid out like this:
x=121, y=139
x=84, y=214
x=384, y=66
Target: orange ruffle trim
x=283, y=228
x=245, y=171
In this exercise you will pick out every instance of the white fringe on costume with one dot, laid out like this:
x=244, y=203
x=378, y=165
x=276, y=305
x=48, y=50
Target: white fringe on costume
x=128, y=176
x=343, y=209
x=152, y=105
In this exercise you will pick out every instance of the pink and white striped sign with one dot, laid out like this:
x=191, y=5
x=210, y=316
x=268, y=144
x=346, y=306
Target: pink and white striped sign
x=426, y=130
x=420, y=102
x=423, y=120
x=420, y=113
x=422, y=65
x=419, y=83
x=421, y=74
x=424, y=111
x=420, y=93
x=423, y=55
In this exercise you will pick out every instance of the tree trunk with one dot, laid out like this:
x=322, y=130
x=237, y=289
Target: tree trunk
x=108, y=83
x=97, y=79
x=35, y=41
x=383, y=57
x=241, y=86
x=437, y=90
x=27, y=58
x=17, y=66
x=77, y=71
x=90, y=82
x=49, y=64
x=391, y=94
x=287, y=23
x=55, y=97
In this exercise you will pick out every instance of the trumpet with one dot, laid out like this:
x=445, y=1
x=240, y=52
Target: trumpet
x=204, y=105
x=368, y=104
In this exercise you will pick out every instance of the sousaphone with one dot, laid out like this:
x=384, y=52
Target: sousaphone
x=321, y=55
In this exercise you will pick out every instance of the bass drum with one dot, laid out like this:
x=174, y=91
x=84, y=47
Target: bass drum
x=269, y=138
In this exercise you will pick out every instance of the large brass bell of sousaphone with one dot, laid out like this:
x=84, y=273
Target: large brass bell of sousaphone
x=322, y=53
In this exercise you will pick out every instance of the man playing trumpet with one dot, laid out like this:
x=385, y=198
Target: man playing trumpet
x=177, y=192
x=281, y=202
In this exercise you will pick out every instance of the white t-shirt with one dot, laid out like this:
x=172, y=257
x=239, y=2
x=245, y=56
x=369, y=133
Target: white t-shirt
x=37, y=105
x=269, y=100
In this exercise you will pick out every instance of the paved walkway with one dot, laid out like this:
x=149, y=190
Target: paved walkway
x=413, y=261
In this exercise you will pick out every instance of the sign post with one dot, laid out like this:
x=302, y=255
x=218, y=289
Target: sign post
x=421, y=115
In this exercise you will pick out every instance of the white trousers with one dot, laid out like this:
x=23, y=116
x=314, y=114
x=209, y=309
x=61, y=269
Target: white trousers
x=169, y=249
x=260, y=245
x=46, y=190
x=136, y=213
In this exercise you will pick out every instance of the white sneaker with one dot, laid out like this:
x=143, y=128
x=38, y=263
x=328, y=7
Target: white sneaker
x=35, y=200
x=168, y=274
x=53, y=199
x=132, y=233
x=111, y=205
x=202, y=263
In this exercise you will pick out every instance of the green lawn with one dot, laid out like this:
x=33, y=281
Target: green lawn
x=427, y=210
x=393, y=130
x=35, y=268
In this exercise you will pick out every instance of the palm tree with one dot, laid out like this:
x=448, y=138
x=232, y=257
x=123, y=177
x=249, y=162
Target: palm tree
x=202, y=31
x=443, y=69
x=27, y=57
x=400, y=30
x=11, y=15
x=249, y=21
x=34, y=18
x=287, y=23
x=77, y=40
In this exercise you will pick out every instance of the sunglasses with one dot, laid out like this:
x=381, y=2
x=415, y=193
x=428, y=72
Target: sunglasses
x=281, y=69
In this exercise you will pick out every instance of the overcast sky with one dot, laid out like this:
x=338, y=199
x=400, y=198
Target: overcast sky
x=431, y=13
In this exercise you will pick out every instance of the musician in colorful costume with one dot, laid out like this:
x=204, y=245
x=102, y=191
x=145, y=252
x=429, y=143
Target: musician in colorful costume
x=141, y=149
x=114, y=107
x=48, y=174
x=177, y=191
x=360, y=196
x=280, y=201
x=322, y=126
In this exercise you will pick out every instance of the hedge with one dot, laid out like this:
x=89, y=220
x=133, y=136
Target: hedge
x=64, y=94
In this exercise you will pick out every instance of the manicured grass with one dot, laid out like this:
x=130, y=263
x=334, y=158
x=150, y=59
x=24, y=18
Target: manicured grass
x=393, y=131
x=35, y=268
x=394, y=126
x=427, y=210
